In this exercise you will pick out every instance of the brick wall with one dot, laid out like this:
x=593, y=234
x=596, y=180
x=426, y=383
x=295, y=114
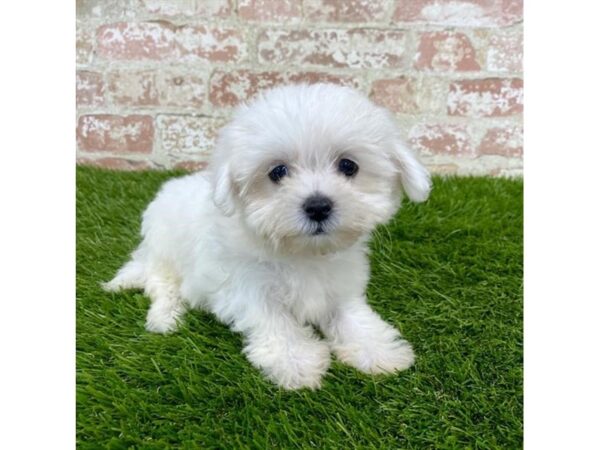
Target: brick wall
x=156, y=78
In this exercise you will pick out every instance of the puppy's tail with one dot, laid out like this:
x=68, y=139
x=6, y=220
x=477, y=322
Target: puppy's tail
x=131, y=276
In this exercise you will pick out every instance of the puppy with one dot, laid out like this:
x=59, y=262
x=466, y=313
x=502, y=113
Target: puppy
x=272, y=238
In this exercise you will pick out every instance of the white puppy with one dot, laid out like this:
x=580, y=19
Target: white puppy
x=272, y=238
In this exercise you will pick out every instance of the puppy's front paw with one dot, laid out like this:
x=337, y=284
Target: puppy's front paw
x=377, y=357
x=161, y=321
x=292, y=365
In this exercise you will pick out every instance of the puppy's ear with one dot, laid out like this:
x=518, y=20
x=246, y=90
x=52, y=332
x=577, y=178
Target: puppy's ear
x=223, y=195
x=414, y=177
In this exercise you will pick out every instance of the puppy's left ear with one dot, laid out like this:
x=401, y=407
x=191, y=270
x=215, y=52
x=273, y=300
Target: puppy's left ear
x=414, y=177
x=222, y=182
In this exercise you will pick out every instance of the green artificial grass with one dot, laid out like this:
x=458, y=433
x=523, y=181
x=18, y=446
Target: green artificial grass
x=447, y=273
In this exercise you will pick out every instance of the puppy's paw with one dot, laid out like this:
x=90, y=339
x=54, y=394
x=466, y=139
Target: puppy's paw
x=293, y=366
x=161, y=321
x=377, y=357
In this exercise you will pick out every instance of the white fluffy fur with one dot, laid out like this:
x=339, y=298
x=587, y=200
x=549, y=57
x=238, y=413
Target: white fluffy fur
x=231, y=241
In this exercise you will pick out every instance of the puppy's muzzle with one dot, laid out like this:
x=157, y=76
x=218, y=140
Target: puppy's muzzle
x=318, y=208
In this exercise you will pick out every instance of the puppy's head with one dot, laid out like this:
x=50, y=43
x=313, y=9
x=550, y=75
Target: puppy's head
x=313, y=168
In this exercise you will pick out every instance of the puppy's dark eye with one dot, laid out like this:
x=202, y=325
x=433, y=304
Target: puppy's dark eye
x=348, y=167
x=278, y=173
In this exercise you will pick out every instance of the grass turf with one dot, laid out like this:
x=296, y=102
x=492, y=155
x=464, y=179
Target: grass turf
x=447, y=273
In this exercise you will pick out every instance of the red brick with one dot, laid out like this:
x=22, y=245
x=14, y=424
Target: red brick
x=504, y=141
x=120, y=134
x=156, y=88
x=133, y=88
x=115, y=163
x=461, y=13
x=486, y=97
x=505, y=51
x=446, y=51
x=269, y=10
x=191, y=166
x=89, y=88
x=345, y=10
x=84, y=45
x=162, y=40
x=229, y=88
x=105, y=9
x=408, y=95
x=190, y=8
x=188, y=137
x=178, y=88
x=443, y=169
x=322, y=77
x=356, y=48
x=441, y=139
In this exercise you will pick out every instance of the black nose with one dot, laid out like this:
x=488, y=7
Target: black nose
x=317, y=208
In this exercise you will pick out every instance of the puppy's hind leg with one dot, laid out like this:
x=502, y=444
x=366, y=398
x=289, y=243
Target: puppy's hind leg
x=131, y=276
x=167, y=306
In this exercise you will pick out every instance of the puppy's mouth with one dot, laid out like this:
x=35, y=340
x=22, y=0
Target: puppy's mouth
x=324, y=228
x=319, y=230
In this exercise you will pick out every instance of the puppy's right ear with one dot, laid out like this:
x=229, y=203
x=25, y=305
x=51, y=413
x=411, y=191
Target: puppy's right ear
x=414, y=177
x=223, y=195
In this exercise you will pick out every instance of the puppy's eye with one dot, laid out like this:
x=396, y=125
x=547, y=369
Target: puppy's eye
x=278, y=173
x=348, y=167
